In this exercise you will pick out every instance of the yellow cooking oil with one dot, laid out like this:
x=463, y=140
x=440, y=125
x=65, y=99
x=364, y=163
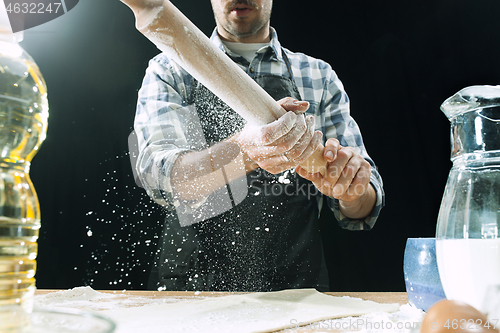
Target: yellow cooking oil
x=23, y=125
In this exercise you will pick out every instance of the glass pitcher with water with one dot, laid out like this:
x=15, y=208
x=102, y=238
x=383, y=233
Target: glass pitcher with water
x=467, y=235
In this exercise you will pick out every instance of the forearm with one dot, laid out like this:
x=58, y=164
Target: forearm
x=198, y=174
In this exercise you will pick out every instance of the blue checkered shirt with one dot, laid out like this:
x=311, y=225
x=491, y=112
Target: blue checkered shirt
x=162, y=117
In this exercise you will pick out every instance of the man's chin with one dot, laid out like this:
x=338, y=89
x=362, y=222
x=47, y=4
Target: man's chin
x=243, y=30
x=241, y=33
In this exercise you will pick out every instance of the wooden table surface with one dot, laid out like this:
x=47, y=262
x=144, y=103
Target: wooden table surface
x=381, y=297
x=140, y=298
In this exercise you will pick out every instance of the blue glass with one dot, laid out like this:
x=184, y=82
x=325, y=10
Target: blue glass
x=422, y=281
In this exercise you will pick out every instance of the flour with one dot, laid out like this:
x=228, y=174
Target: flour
x=407, y=319
x=257, y=312
x=72, y=295
x=254, y=312
x=88, y=299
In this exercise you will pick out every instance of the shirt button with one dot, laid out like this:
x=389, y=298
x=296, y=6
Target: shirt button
x=252, y=70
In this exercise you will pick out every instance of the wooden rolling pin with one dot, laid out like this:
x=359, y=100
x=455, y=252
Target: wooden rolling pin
x=173, y=33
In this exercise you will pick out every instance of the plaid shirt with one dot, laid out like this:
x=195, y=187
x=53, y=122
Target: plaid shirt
x=163, y=117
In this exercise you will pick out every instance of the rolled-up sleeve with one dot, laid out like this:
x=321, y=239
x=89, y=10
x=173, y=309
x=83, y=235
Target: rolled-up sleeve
x=339, y=124
x=161, y=124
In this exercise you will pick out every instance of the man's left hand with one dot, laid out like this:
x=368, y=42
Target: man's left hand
x=346, y=178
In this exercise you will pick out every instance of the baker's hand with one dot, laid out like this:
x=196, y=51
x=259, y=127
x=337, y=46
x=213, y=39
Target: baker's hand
x=284, y=143
x=346, y=178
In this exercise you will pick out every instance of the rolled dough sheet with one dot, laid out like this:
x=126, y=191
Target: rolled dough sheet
x=253, y=312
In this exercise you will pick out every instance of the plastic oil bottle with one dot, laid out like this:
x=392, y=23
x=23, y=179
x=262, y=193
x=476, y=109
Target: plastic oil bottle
x=23, y=125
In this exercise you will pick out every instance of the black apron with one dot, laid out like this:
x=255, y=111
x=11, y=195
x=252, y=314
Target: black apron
x=269, y=241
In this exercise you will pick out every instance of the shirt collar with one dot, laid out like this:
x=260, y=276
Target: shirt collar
x=274, y=45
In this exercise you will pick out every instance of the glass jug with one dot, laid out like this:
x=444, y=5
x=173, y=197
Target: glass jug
x=467, y=239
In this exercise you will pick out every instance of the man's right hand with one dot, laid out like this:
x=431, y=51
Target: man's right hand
x=284, y=143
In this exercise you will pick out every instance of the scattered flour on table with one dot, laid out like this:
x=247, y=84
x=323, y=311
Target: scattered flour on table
x=86, y=298
x=72, y=295
x=246, y=313
x=408, y=319
x=405, y=320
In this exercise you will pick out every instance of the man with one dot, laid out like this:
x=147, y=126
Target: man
x=195, y=152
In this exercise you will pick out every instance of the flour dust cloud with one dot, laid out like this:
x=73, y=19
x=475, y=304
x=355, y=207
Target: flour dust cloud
x=121, y=232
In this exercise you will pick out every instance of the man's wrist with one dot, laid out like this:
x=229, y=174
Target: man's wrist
x=360, y=208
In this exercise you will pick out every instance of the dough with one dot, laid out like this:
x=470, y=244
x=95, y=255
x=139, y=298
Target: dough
x=253, y=312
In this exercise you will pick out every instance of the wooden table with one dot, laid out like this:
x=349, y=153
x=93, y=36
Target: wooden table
x=139, y=298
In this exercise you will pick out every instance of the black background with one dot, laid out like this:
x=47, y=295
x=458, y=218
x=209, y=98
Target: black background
x=398, y=60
